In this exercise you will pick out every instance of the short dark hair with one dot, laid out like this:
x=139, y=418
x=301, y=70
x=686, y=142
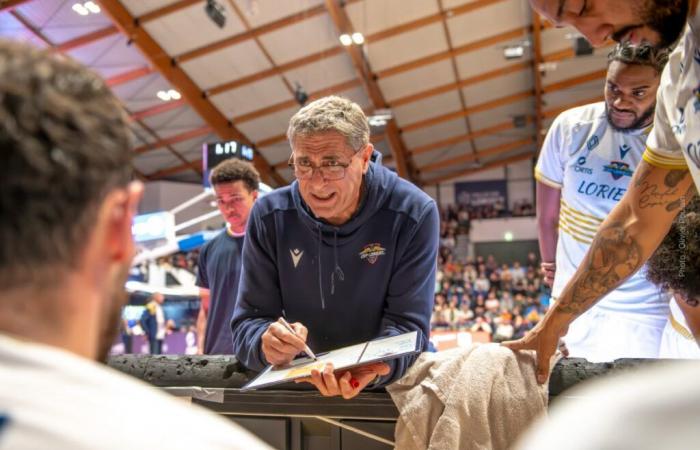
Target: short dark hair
x=232, y=170
x=641, y=55
x=64, y=144
x=674, y=265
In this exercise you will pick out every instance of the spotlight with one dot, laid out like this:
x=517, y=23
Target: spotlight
x=174, y=95
x=358, y=38
x=300, y=94
x=80, y=9
x=513, y=52
x=346, y=40
x=216, y=12
x=92, y=7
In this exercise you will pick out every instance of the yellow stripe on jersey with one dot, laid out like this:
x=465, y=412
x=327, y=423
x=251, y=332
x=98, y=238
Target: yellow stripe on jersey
x=657, y=159
x=571, y=220
x=581, y=213
x=544, y=180
x=573, y=235
x=577, y=216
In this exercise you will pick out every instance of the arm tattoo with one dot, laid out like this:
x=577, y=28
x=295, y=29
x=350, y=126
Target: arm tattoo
x=653, y=195
x=613, y=256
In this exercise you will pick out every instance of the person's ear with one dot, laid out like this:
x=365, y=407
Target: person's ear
x=119, y=209
x=255, y=194
x=366, y=156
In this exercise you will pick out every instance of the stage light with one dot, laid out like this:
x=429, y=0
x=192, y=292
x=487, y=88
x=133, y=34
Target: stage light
x=80, y=9
x=358, y=38
x=346, y=40
x=92, y=7
x=174, y=95
x=216, y=12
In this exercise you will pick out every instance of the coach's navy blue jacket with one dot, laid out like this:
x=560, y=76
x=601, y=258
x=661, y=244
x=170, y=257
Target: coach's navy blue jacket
x=371, y=277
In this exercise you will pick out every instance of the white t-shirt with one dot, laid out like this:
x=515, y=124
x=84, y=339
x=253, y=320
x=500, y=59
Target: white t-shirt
x=674, y=143
x=593, y=164
x=656, y=408
x=50, y=398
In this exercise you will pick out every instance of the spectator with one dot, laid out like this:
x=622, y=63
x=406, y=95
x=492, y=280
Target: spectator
x=153, y=323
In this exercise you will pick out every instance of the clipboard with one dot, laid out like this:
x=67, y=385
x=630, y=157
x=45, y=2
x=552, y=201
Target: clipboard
x=383, y=349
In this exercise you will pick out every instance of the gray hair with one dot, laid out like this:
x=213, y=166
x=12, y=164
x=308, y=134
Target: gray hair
x=331, y=114
x=642, y=54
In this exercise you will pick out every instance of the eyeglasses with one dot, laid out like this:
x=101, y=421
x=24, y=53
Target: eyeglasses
x=329, y=170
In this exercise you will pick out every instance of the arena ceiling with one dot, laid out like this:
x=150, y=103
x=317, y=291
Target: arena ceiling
x=458, y=105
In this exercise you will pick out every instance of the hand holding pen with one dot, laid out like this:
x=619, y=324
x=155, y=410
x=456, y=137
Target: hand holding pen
x=282, y=342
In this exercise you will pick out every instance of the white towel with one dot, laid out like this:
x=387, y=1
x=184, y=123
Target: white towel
x=481, y=397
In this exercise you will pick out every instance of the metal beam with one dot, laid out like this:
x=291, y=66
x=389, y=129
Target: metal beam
x=489, y=166
x=182, y=82
x=364, y=71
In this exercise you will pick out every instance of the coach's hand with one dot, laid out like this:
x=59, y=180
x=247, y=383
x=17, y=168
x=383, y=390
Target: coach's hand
x=348, y=383
x=280, y=346
x=544, y=339
x=549, y=269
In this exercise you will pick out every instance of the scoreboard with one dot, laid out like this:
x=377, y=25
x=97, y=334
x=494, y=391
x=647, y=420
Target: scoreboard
x=216, y=152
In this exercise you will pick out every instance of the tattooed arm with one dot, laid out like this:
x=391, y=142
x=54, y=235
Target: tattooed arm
x=625, y=240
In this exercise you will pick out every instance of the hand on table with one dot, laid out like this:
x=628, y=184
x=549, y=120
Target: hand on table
x=544, y=339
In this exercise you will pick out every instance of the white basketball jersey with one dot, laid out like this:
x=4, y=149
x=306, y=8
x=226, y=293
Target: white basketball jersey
x=592, y=164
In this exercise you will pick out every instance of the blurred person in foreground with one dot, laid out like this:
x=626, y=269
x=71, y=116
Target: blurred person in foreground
x=66, y=210
x=662, y=182
x=585, y=167
x=675, y=266
x=235, y=183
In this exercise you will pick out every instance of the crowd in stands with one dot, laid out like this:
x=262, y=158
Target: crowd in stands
x=504, y=299
x=462, y=214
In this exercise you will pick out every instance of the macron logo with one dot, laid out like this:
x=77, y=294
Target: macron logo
x=296, y=256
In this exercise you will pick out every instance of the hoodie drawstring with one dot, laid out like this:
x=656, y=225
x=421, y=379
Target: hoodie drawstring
x=320, y=273
x=336, y=270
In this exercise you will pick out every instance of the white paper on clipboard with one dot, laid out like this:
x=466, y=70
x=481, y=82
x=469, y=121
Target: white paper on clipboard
x=372, y=351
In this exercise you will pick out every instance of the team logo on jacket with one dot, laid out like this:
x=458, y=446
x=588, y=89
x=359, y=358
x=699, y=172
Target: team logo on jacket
x=296, y=256
x=618, y=169
x=371, y=252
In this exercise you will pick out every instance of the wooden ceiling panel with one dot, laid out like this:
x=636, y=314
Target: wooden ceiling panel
x=490, y=20
x=416, y=80
x=138, y=8
x=391, y=52
x=373, y=16
x=249, y=98
x=260, y=12
x=191, y=28
x=479, y=61
x=268, y=126
x=323, y=74
x=502, y=114
x=442, y=130
x=180, y=119
x=301, y=39
x=277, y=154
x=498, y=87
x=155, y=160
x=230, y=63
x=427, y=108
